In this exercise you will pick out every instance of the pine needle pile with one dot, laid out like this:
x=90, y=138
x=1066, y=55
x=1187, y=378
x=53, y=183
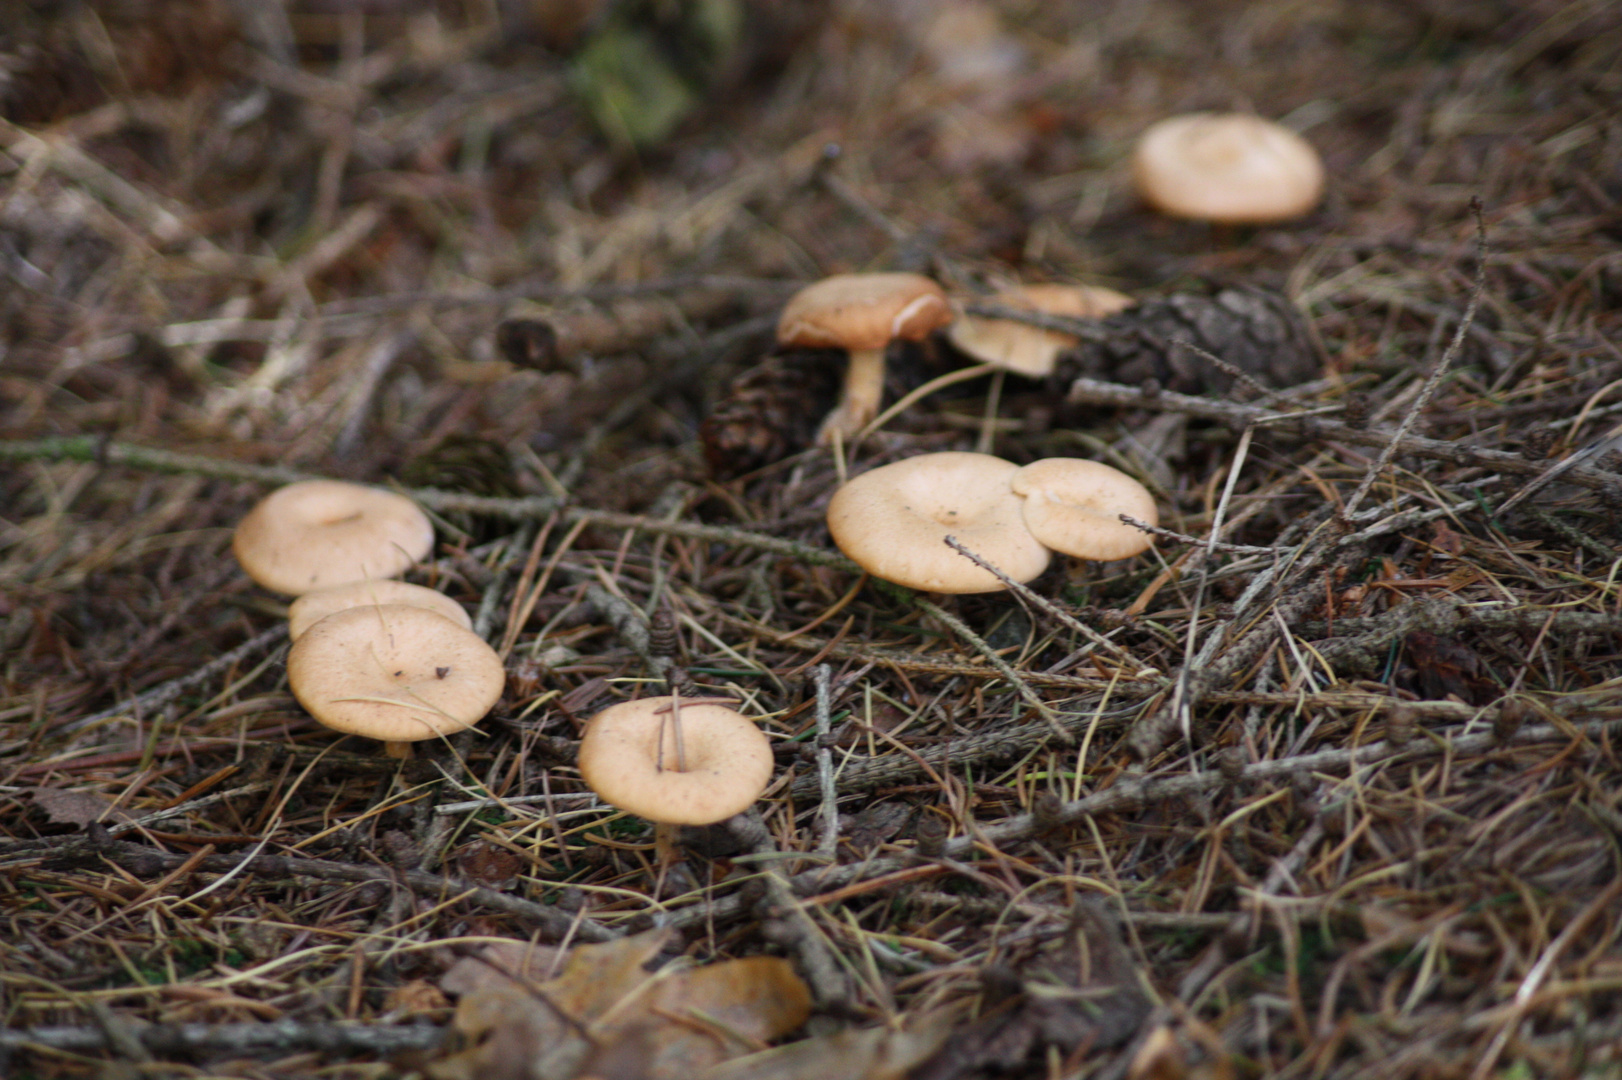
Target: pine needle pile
x=1327, y=784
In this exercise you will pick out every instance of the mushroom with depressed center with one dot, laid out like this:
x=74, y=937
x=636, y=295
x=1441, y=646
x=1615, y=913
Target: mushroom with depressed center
x=1227, y=167
x=862, y=314
x=312, y=607
x=1075, y=506
x=1027, y=350
x=894, y=521
x=675, y=764
x=394, y=672
x=319, y=533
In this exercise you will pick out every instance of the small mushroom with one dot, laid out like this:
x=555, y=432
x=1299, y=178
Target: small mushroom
x=394, y=672
x=312, y=607
x=674, y=763
x=1030, y=350
x=319, y=533
x=861, y=313
x=1232, y=168
x=1075, y=506
x=894, y=521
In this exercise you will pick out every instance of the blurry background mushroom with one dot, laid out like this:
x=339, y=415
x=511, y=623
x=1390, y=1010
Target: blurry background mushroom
x=1028, y=350
x=861, y=313
x=394, y=672
x=1230, y=168
x=319, y=533
x=894, y=521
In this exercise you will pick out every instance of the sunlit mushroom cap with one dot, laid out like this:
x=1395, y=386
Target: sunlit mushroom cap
x=894, y=521
x=862, y=311
x=1227, y=167
x=1074, y=506
x=1030, y=350
x=312, y=607
x=628, y=756
x=319, y=533
x=394, y=672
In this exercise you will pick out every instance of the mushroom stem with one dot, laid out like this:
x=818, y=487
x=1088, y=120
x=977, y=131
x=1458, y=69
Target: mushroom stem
x=860, y=398
x=401, y=750
x=665, y=836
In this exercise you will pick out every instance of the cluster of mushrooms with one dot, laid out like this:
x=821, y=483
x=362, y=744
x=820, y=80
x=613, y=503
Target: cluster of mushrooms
x=1226, y=168
x=1230, y=168
x=894, y=521
x=400, y=663
x=371, y=656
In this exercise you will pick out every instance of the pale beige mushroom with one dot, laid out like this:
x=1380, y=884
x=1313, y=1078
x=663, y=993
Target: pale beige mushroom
x=312, y=607
x=394, y=672
x=711, y=764
x=1029, y=350
x=1227, y=167
x=1075, y=506
x=862, y=314
x=894, y=521
x=319, y=533
x=675, y=763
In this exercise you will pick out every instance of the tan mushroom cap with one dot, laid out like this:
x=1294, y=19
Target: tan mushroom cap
x=312, y=607
x=394, y=672
x=863, y=311
x=728, y=759
x=319, y=533
x=1074, y=506
x=894, y=521
x=1227, y=167
x=1030, y=350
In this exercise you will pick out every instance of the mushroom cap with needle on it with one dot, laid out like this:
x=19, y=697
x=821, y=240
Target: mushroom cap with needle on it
x=894, y=521
x=631, y=757
x=862, y=314
x=1028, y=350
x=1074, y=506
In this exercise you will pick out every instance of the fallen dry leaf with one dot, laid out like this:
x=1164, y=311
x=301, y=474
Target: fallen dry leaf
x=1077, y=990
x=76, y=807
x=605, y=1015
x=500, y=963
x=864, y=1054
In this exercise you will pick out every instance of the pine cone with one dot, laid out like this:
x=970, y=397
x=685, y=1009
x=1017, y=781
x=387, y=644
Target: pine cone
x=771, y=411
x=1257, y=331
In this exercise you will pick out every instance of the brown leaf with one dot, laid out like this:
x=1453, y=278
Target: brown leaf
x=865, y=1054
x=607, y=1016
x=703, y=1016
x=507, y=1030
x=1080, y=989
x=76, y=807
x=1444, y=667
x=415, y=998
x=498, y=964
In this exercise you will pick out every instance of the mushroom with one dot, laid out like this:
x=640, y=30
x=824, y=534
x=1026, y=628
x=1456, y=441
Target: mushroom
x=675, y=764
x=1030, y=350
x=319, y=533
x=394, y=672
x=1228, y=168
x=894, y=521
x=312, y=607
x=861, y=313
x=1075, y=506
